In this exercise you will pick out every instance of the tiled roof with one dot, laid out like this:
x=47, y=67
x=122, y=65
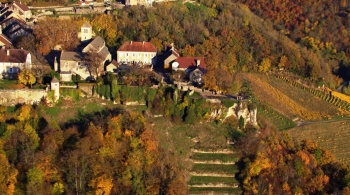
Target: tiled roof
x=97, y=43
x=104, y=52
x=70, y=56
x=15, y=55
x=138, y=47
x=115, y=63
x=21, y=6
x=86, y=25
x=190, y=62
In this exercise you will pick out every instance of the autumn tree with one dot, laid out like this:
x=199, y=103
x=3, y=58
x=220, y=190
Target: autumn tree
x=94, y=62
x=53, y=33
x=265, y=65
x=26, y=77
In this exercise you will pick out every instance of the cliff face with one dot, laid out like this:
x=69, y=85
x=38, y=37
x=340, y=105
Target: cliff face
x=237, y=110
x=241, y=110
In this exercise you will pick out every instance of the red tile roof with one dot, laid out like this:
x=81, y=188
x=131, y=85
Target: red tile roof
x=15, y=55
x=21, y=6
x=138, y=46
x=189, y=62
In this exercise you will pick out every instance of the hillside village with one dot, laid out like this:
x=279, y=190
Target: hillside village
x=173, y=97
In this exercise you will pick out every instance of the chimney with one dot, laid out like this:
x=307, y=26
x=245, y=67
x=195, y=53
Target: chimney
x=8, y=52
x=198, y=62
x=143, y=42
x=130, y=42
x=55, y=64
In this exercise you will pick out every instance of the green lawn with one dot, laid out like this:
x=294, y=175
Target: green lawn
x=217, y=168
x=195, y=180
x=280, y=121
x=198, y=190
x=214, y=156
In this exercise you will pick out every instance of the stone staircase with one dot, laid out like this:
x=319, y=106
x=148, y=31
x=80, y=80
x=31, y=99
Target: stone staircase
x=213, y=172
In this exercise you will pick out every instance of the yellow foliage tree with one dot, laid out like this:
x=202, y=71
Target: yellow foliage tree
x=265, y=65
x=26, y=77
x=102, y=184
x=24, y=112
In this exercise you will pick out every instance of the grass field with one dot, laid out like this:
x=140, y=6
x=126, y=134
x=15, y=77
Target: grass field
x=279, y=120
x=10, y=84
x=197, y=190
x=217, y=168
x=214, y=156
x=333, y=135
x=195, y=180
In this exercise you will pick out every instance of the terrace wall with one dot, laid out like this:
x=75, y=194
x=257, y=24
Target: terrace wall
x=11, y=97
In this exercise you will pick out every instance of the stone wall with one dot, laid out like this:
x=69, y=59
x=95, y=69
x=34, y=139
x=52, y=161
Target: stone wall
x=87, y=88
x=11, y=97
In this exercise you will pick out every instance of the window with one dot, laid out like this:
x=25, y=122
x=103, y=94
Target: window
x=11, y=70
x=133, y=55
x=146, y=55
x=127, y=54
x=86, y=30
x=151, y=55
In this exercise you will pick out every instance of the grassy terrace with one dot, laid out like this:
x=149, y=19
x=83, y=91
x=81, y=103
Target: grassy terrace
x=217, y=168
x=213, y=157
x=195, y=190
x=280, y=121
x=10, y=84
x=195, y=180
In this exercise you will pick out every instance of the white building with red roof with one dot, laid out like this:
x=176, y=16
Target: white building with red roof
x=137, y=52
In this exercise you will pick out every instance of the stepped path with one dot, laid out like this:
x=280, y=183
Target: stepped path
x=213, y=172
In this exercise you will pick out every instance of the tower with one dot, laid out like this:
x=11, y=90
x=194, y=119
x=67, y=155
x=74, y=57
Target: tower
x=86, y=32
x=55, y=86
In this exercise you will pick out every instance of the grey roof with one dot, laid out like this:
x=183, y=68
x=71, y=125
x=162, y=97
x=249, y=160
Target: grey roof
x=97, y=43
x=54, y=80
x=86, y=25
x=104, y=52
x=71, y=56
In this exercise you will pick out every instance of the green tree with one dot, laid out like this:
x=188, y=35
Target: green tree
x=108, y=92
x=190, y=115
x=246, y=89
x=241, y=122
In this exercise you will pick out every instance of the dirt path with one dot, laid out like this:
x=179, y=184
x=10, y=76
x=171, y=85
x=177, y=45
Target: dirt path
x=315, y=122
x=224, y=151
x=212, y=174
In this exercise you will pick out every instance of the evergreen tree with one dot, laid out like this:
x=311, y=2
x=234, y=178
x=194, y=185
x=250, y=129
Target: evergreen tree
x=190, y=115
x=241, y=122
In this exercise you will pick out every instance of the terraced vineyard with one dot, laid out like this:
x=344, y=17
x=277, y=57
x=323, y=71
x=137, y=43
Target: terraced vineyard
x=333, y=135
x=292, y=100
x=214, y=172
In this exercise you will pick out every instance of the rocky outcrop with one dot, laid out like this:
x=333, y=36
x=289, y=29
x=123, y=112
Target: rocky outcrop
x=241, y=110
